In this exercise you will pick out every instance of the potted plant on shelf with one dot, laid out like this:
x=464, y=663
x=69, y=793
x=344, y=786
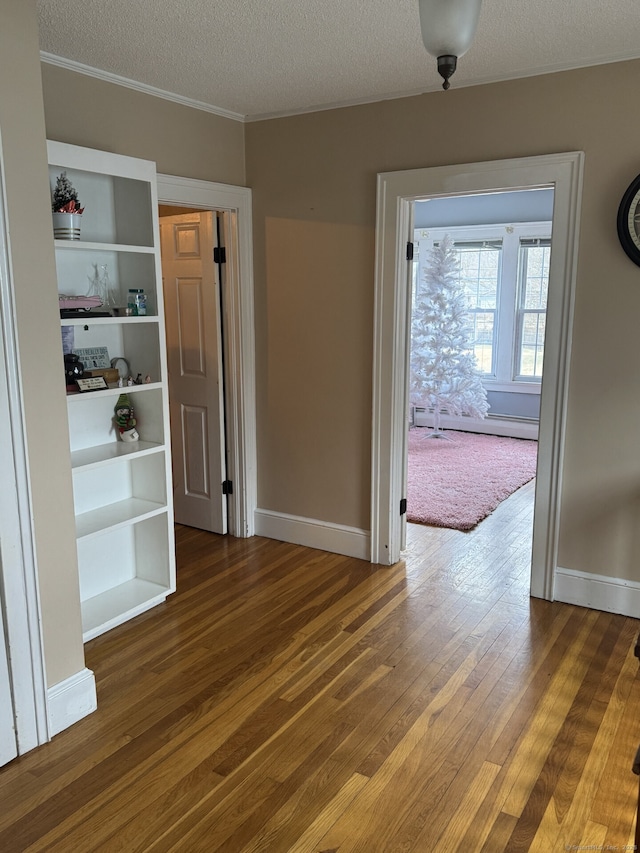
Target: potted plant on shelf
x=66, y=210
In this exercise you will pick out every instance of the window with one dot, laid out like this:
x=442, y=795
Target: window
x=533, y=285
x=480, y=273
x=505, y=270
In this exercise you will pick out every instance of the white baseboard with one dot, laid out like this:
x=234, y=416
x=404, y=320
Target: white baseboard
x=337, y=538
x=613, y=595
x=71, y=700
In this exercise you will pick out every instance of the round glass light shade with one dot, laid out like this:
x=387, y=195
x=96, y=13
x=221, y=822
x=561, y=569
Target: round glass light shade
x=448, y=26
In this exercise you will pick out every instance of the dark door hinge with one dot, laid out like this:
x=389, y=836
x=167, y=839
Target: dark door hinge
x=403, y=506
x=227, y=487
x=219, y=255
x=409, y=251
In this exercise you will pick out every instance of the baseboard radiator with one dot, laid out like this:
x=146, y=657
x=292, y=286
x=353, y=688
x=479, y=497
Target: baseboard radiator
x=492, y=424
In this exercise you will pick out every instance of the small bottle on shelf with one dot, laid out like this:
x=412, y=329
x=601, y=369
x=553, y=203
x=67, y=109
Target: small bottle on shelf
x=106, y=289
x=137, y=302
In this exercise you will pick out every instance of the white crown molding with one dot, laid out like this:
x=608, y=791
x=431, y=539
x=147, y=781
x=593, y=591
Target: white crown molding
x=107, y=77
x=460, y=84
x=436, y=87
x=556, y=68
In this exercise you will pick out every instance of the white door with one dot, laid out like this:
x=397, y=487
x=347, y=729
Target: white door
x=8, y=742
x=194, y=349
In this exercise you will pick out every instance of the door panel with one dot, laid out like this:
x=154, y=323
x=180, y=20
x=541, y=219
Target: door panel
x=196, y=456
x=194, y=349
x=191, y=338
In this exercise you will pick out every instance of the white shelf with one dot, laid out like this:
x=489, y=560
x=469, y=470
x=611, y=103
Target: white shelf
x=122, y=492
x=74, y=396
x=93, y=457
x=107, y=321
x=119, y=604
x=108, y=517
x=87, y=246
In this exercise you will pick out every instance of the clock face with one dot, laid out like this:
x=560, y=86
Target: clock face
x=629, y=221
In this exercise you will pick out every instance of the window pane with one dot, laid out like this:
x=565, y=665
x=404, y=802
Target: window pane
x=536, y=277
x=532, y=344
x=480, y=274
x=533, y=288
x=483, y=324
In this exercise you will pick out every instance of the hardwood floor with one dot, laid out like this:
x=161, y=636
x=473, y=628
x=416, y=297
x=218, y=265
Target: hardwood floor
x=286, y=699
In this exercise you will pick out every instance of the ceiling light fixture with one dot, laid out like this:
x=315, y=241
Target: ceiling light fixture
x=448, y=28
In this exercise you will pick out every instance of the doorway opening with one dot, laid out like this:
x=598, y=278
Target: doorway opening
x=229, y=211
x=478, y=312
x=397, y=192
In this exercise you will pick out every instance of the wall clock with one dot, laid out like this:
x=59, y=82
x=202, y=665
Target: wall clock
x=629, y=221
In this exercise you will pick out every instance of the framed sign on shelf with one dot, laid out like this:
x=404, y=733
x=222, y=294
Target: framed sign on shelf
x=93, y=357
x=91, y=383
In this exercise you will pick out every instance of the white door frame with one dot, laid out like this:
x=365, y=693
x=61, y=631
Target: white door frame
x=239, y=333
x=18, y=575
x=396, y=193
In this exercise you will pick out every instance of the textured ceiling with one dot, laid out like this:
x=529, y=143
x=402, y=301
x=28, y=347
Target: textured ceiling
x=258, y=58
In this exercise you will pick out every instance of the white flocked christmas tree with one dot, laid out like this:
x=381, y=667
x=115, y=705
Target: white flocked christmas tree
x=444, y=374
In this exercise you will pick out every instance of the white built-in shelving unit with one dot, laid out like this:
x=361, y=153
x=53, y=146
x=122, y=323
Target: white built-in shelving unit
x=122, y=491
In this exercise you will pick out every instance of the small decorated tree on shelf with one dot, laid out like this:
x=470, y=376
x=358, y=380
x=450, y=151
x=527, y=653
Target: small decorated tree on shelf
x=66, y=209
x=444, y=374
x=65, y=197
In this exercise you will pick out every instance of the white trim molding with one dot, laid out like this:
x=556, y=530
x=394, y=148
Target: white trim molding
x=613, y=595
x=18, y=569
x=71, y=700
x=397, y=191
x=554, y=68
x=240, y=399
x=127, y=83
x=323, y=535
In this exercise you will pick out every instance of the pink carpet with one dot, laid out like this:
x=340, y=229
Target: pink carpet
x=459, y=482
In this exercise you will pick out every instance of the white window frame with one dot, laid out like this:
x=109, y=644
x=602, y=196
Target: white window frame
x=506, y=320
x=521, y=311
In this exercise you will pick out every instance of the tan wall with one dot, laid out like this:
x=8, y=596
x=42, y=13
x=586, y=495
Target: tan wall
x=181, y=141
x=38, y=331
x=314, y=183
x=313, y=179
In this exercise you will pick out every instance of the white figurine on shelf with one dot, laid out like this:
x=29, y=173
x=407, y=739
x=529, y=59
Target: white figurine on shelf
x=120, y=382
x=130, y=381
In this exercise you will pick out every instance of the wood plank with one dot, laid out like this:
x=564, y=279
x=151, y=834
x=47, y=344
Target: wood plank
x=290, y=700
